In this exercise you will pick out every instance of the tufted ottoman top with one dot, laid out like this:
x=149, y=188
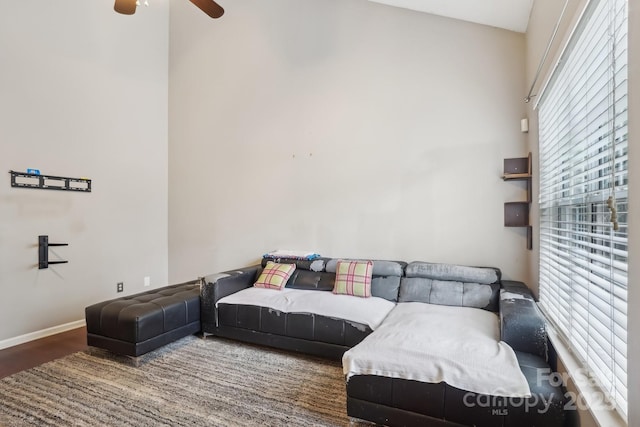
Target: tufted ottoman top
x=143, y=316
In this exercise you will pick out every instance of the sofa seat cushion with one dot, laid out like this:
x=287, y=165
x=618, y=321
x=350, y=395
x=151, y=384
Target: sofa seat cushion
x=432, y=343
x=303, y=332
x=365, y=311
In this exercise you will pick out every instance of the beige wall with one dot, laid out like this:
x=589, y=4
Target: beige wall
x=348, y=128
x=543, y=18
x=83, y=94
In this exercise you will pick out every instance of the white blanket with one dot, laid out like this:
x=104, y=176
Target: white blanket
x=433, y=343
x=366, y=311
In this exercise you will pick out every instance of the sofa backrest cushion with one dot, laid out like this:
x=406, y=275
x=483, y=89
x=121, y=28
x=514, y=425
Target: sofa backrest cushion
x=309, y=275
x=385, y=281
x=458, y=273
x=311, y=280
x=380, y=267
x=454, y=285
x=320, y=275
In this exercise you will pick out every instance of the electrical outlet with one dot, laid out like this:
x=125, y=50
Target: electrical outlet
x=120, y=287
x=147, y=281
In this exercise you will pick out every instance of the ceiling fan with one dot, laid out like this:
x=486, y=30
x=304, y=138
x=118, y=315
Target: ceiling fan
x=210, y=7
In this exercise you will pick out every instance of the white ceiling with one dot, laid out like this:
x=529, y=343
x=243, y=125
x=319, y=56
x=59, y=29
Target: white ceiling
x=508, y=14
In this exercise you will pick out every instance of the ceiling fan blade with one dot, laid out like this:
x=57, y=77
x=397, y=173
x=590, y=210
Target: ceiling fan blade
x=126, y=7
x=209, y=7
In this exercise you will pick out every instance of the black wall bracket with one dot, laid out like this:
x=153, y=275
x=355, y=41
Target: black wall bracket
x=43, y=252
x=49, y=182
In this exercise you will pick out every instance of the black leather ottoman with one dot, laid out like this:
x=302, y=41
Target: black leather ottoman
x=137, y=324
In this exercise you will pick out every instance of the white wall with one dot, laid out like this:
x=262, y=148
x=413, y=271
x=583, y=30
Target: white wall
x=83, y=94
x=344, y=127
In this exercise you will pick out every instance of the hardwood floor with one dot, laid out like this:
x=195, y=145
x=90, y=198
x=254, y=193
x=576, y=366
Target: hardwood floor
x=34, y=353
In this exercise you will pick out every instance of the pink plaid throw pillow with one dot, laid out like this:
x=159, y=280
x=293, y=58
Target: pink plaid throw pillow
x=275, y=276
x=353, y=278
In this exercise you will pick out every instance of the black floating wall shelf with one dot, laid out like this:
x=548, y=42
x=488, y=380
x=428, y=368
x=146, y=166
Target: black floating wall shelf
x=516, y=214
x=49, y=182
x=43, y=252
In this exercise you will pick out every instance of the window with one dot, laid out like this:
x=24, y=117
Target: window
x=583, y=196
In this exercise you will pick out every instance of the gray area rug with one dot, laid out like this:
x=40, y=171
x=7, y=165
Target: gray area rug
x=192, y=382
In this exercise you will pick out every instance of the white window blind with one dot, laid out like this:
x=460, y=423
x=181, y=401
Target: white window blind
x=583, y=163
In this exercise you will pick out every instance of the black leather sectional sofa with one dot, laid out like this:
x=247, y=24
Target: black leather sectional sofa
x=395, y=401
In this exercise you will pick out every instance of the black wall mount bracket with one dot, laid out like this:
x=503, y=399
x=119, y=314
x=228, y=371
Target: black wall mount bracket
x=43, y=252
x=49, y=182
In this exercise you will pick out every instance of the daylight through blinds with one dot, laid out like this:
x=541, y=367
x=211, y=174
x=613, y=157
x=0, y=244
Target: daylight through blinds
x=583, y=196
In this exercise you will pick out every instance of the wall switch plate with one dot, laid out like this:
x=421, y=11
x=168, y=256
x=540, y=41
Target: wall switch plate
x=147, y=281
x=120, y=287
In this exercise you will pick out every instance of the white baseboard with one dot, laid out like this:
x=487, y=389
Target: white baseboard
x=10, y=342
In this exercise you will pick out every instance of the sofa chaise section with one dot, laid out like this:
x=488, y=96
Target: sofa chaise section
x=397, y=401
